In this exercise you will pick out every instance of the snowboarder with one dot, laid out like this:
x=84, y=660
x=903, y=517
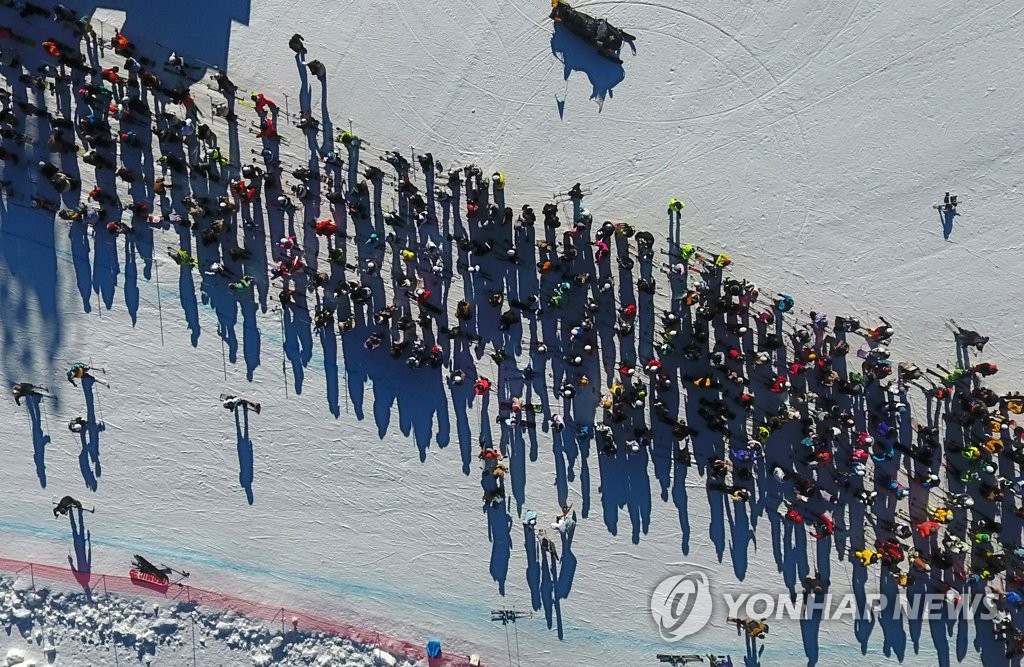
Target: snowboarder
x=231, y=402
x=78, y=424
x=296, y=45
x=65, y=505
x=80, y=371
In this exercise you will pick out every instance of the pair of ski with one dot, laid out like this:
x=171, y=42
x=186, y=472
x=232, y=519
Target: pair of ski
x=181, y=69
x=677, y=660
x=954, y=327
x=93, y=377
x=515, y=422
x=566, y=196
x=292, y=303
x=254, y=130
x=529, y=407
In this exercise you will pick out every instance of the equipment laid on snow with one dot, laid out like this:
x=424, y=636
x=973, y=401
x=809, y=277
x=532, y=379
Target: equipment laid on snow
x=679, y=660
x=507, y=616
x=148, y=580
x=146, y=567
x=605, y=37
x=144, y=573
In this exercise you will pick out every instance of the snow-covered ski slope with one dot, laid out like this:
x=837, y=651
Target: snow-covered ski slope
x=809, y=140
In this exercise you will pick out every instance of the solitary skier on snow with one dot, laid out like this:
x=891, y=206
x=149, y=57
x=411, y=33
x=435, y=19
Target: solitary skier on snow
x=81, y=371
x=231, y=402
x=65, y=505
x=23, y=389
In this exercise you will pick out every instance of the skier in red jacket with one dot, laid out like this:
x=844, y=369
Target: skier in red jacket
x=263, y=103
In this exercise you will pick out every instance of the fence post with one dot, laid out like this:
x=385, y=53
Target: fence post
x=282, y=621
x=113, y=642
x=32, y=575
x=192, y=617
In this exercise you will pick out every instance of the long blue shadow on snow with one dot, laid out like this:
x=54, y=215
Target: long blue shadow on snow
x=205, y=27
x=39, y=439
x=245, y=457
x=466, y=612
x=81, y=564
x=499, y=532
x=578, y=56
x=31, y=318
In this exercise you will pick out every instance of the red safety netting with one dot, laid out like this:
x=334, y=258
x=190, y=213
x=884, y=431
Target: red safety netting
x=107, y=583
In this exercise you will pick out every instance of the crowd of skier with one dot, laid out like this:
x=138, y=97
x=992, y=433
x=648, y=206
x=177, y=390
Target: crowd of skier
x=594, y=330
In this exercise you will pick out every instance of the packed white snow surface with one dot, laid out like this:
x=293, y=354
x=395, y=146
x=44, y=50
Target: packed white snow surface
x=45, y=626
x=809, y=140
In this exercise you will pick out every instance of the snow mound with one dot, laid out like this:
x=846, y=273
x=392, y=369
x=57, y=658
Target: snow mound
x=48, y=619
x=20, y=658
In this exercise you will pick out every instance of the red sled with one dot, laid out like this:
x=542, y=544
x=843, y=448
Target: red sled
x=150, y=581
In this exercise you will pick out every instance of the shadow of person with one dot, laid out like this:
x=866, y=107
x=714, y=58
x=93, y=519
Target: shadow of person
x=244, y=446
x=85, y=464
x=81, y=564
x=567, y=572
x=39, y=439
x=531, y=545
x=578, y=56
x=89, y=458
x=946, y=217
x=499, y=532
x=205, y=28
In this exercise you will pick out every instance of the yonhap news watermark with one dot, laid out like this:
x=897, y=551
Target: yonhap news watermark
x=682, y=605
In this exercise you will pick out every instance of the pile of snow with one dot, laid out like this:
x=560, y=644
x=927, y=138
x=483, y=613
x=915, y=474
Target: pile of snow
x=48, y=619
x=18, y=657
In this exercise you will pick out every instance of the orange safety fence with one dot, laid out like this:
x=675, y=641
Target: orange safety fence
x=107, y=583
